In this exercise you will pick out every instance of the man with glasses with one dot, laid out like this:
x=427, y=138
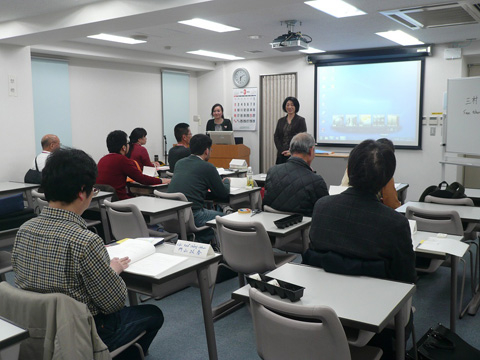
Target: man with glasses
x=181, y=150
x=56, y=253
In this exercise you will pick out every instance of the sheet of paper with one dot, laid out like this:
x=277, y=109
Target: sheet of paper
x=133, y=248
x=240, y=183
x=155, y=264
x=150, y=171
x=444, y=245
x=336, y=189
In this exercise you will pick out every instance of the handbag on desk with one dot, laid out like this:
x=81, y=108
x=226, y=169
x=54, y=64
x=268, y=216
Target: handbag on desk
x=440, y=343
x=33, y=176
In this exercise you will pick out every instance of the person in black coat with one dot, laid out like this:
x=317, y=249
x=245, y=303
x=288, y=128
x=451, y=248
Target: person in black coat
x=218, y=123
x=287, y=128
x=293, y=186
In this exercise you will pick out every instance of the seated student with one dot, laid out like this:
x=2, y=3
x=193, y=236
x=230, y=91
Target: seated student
x=194, y=176
x=114, y=168
x=137, y=151
x=181, y=150
x=355, y=225
x=388, y=195
x=56, y=253
x=293, y=186
x=49, y=143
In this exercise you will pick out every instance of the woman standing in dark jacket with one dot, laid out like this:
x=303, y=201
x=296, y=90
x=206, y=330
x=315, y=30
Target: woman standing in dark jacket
x=287, y=128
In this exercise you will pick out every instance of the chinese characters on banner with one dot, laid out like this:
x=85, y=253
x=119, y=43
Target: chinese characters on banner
x=245, y=109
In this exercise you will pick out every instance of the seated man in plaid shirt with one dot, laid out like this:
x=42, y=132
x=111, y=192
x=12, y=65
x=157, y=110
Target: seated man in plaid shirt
x=55, y=252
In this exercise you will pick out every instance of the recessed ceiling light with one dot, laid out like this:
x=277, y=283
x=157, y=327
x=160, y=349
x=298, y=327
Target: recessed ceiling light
x=215, y=55
x=337, y=8
x=311, y=50
x=114, y=38
x=400, y=37
x=208, y=25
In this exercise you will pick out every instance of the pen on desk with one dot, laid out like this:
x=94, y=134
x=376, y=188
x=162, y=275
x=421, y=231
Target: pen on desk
x=420, y=243
x=255, y=212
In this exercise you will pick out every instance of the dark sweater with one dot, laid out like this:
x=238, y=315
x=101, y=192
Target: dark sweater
x=226, y=125
x=113, y=170
x=293, y=187
x=176, y=153
x=194, y=177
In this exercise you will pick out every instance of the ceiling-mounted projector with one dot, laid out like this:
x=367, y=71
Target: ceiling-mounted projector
x=292, y=41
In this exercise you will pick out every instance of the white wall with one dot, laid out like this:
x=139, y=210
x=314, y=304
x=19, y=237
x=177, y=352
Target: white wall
x=16, y=113
x=110, y=96
x=419, y=168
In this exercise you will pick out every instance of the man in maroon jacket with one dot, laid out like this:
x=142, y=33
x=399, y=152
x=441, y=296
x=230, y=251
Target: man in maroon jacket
x=114, y=168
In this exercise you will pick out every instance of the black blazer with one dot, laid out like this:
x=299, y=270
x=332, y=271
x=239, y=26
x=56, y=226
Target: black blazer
x=226, y=125
x=298, y=126
x=357, y=225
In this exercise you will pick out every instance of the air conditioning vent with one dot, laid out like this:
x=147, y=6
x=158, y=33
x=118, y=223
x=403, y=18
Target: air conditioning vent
x=441, y=15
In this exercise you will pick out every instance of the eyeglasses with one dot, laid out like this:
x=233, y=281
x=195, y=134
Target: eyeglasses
x=95, y=191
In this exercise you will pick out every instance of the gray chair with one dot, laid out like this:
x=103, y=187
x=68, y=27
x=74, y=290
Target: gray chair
x=41, y=202
x=291, y=243
x=173, y=225
x=50, y=319
x=286, y=330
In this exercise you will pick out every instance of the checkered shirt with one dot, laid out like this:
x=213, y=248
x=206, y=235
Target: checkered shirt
x=56, y=253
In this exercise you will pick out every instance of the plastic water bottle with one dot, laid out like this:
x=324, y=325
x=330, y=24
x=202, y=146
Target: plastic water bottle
x=249, y=178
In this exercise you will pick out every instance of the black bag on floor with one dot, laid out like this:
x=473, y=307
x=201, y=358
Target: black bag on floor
x=439, y=343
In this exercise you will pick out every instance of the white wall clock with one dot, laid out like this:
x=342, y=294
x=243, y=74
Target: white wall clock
x=241, y=77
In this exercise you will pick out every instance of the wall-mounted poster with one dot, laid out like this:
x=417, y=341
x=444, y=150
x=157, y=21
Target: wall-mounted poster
x=245, y=109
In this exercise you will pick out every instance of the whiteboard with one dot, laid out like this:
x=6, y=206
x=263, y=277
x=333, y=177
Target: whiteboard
x=463, y=116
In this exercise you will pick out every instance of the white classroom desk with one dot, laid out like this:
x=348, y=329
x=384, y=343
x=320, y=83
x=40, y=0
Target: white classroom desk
x=10, y=337
x=423, y=235
x=260, y=179
x=467, y=213
x=145, y=285
x=282, y=236
x=11, y=187
x=239, y=195
x=157, y=210
x=360, y=302
x=472, y=193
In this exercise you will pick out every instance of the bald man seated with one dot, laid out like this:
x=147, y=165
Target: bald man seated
x=49, y=143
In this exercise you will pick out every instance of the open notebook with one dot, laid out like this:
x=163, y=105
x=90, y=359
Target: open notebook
x=144, y=259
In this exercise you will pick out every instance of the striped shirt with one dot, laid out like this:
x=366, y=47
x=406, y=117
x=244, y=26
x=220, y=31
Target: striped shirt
x=56, y=253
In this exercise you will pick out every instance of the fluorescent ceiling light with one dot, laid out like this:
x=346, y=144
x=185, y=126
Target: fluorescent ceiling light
x=215, y=55
x=400, y=37
x=114, y=38
x=337, y=8
x=208, y=25
x=311, y=50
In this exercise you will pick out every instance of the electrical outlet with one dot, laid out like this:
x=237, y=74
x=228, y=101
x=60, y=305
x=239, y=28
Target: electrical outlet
x=432, y=131
x=12, y=86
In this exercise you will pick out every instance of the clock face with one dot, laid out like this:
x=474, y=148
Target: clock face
x=241, y=77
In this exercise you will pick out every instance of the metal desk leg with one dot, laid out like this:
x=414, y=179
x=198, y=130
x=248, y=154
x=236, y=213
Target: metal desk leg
x=183, y=226
x=28, y=195
x=453, y=292
x=132, y=298
x=399, y=337
x=202, y=275
x=106, y=227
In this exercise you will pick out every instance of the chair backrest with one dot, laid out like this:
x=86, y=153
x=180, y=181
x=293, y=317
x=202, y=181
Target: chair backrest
x=57, y=323
x=172, y=225
x=438, y=200
x=447, y=222
x=289, y=331
x=39, y=199
x=245, y=246
x=126, y=220
x=108, y=188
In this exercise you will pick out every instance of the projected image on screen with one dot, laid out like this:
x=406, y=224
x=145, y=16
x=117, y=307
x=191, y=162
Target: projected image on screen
x=369, y=101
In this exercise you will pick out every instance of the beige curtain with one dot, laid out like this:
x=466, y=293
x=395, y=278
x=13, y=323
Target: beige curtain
x=274, y=89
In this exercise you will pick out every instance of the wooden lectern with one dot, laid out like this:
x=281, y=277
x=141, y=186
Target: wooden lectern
x=223, y=154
